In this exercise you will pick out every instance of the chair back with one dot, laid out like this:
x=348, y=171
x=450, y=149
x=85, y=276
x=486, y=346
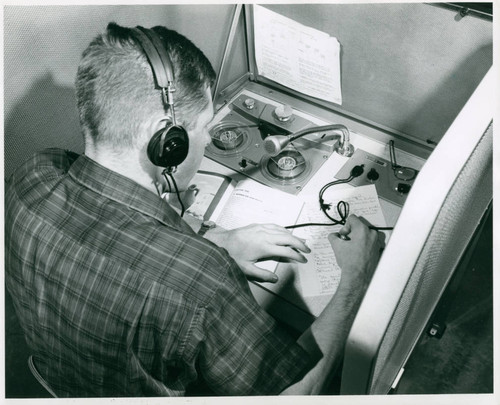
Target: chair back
x=40, y=379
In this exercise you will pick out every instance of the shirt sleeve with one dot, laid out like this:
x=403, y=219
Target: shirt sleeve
x=245, y=351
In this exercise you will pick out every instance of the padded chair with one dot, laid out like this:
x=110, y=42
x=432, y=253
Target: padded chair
x=443, y=210
x=40, y=379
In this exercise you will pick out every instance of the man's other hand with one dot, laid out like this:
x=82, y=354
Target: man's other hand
x=357, y=256
x=256, y=242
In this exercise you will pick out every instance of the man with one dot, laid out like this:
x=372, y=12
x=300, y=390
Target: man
x=116, y=294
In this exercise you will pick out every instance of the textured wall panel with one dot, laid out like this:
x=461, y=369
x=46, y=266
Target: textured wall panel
x=409, y=67
x=42, y=47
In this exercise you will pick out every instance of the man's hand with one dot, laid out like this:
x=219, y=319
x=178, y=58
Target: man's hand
x=256, y=242
x=358, y=256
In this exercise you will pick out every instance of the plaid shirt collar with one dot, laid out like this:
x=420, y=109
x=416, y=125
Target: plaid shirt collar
x=125, y=191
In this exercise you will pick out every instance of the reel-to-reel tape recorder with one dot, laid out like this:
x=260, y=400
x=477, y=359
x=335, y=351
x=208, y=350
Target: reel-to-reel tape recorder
x=239, y=142
x=283, y=147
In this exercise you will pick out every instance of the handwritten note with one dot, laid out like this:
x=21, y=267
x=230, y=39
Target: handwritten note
x=321, y=274
x=297, y=56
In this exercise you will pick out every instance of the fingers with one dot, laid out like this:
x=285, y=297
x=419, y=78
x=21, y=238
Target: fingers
x=346, y=229
x=277, y=235
x=252, y=272
x=276, y=252
x=357, y=229
x=286, y=246
x=287, y=239
x=361, y=225
x=356, y=225
x=334, y=239
x=279, y=242
x=272, y=228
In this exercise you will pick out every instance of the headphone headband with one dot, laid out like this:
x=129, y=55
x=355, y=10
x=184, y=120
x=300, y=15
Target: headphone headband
x=157, y=55
x=169, y=146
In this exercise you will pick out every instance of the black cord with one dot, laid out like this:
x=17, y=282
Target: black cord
x=342, y=209
x=169, y=172
x=342, y=206
x=168, y=182
x=307, y=224
x=392, y=154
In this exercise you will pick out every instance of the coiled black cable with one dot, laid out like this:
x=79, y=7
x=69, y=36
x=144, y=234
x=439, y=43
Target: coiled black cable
x=342, y=206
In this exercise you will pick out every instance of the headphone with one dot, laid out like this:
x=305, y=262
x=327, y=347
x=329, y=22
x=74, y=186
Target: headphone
x=169, y=146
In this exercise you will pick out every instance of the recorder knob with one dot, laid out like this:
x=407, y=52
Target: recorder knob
x=283, y=112
x=249, y=103
x=403, y=188
x=373, y=175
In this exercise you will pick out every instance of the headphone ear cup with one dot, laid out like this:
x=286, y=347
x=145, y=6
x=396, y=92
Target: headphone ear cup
x=175, y=147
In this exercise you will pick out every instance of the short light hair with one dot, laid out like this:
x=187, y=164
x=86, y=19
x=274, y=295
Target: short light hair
x=116, y=91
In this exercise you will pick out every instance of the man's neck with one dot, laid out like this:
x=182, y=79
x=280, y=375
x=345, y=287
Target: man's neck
x=127, y=164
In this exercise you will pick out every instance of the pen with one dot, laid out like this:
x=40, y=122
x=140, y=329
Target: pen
x=342, y=236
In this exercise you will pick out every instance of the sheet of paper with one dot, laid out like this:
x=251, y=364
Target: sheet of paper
x=299, y=57
x=321, y=274
x=251, y=202
x=199, y=195
x=205, y=187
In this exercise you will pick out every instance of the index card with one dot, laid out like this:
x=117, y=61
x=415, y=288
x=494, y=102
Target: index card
x=299, y=57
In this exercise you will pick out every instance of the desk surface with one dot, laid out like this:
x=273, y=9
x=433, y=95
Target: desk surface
x=284, y=299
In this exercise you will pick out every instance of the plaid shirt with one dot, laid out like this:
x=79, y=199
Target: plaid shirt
x=117, y=296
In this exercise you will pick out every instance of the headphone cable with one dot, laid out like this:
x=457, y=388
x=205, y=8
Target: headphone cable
x=168, y=183
x=169, y=172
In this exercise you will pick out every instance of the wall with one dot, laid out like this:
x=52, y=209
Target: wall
x=408, y=67
x=42, y=48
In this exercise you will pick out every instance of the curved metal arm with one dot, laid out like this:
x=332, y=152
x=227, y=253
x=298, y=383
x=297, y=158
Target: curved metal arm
x=274, y=144
x=343, y=147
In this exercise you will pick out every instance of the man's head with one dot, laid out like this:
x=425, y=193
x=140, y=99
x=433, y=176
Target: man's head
x=117, y=99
